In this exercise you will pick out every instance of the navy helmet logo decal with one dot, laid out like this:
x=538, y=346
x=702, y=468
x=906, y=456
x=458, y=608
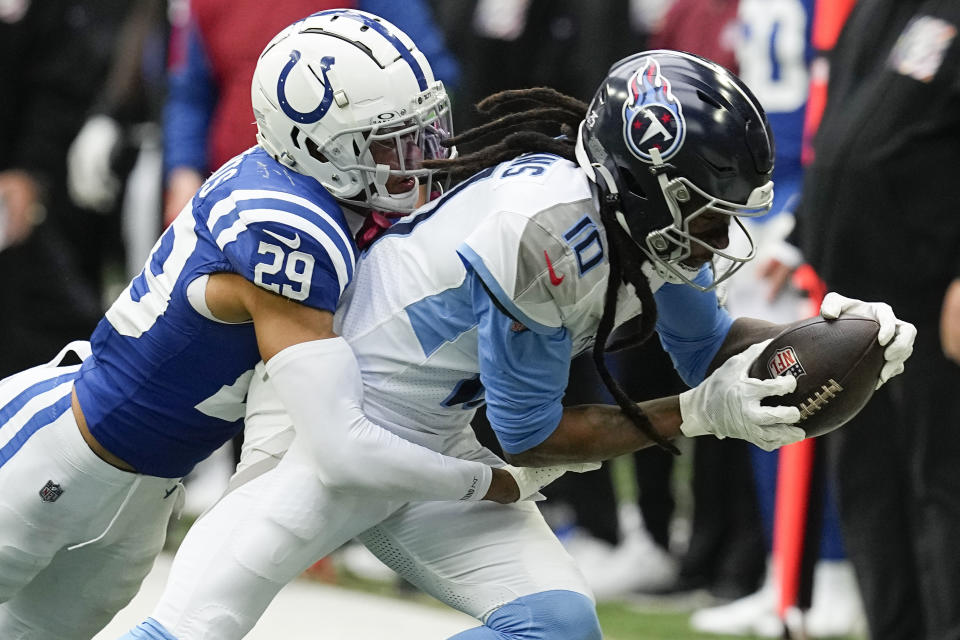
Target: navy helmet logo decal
x=652, y=116
x=308, y=117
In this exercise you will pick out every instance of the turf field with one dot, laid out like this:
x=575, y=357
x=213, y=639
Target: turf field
x=355, y=609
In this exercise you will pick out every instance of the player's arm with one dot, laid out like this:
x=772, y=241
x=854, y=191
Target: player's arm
x=525, y=357
x=317, y=379
x=724, y=405
x=525, y=373
x=191, y=98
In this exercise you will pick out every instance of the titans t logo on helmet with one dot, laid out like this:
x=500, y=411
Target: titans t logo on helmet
x=652, y=116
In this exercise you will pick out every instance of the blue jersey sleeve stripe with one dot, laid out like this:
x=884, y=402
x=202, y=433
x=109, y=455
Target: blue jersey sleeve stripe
x=474, y=262
x=340, y=261
x=227, y=221
x=226, y=207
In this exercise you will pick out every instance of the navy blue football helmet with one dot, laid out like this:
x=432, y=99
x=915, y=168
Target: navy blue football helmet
x=670, y=137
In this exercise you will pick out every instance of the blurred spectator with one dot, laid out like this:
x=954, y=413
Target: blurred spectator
x=55, y=56
x=708, y=28
x=114, y=162
x=511, y=44
x=774, y=56
x=208, y=117
x=878, y=221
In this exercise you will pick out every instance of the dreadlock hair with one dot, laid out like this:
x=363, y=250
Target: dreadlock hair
x=519, y=121
x=543, y=120
x=625, y=266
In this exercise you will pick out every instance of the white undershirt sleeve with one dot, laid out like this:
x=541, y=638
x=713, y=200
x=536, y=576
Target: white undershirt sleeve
x=320, y=386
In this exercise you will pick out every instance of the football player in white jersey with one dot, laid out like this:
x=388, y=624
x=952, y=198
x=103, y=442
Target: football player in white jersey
x=484, y=295
x=253, y=268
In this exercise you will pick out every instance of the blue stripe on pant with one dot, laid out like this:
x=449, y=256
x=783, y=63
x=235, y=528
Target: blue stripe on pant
x=40, y=419
x=149, y=629
x=548, y=615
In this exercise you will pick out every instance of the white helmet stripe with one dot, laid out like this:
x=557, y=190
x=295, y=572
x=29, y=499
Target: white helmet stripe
x=390, y=37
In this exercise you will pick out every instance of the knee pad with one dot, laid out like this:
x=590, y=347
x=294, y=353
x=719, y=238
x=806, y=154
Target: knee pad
x=548, y=615
x=17, y=568
x=149, y=629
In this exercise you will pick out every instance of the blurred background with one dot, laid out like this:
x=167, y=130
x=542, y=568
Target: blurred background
x=114, y=111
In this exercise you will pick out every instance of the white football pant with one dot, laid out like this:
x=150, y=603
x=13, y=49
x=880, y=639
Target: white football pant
x=77, y=535
x=474, y=556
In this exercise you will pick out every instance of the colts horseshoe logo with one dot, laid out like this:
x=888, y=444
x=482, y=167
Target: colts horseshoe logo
x=308, y=117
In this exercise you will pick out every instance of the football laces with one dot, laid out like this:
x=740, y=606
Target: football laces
x=819, y=399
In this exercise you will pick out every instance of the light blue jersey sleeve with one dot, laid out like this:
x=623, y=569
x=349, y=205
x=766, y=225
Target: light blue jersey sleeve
x=523, y=372
x=692, y=325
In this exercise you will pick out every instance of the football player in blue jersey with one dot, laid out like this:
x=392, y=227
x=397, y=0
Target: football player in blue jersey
x=484, y=295
x=253, y=268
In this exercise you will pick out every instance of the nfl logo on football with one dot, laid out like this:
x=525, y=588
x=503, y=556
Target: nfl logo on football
x=51, y=491
x=785, y=361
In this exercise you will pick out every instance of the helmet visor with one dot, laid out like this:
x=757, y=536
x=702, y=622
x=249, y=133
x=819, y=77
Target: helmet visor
x=388, y=153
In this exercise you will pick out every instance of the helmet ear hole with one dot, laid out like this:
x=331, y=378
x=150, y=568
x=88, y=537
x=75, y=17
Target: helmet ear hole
x=314, y=150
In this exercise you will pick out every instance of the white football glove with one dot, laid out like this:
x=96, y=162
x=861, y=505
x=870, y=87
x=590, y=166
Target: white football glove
x=896, y=335
x=727, y=404
x=90, y=179
x=531, y=479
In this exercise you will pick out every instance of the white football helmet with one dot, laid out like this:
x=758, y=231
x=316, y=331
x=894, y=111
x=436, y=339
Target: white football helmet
x=346, y=97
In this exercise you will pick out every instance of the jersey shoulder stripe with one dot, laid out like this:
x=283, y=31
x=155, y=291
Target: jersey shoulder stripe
x=230, y=204
x=284, y=217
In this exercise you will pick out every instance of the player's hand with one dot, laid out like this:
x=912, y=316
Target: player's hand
x=182, y=184
x=950, y=322
x=90, y=179
x=727, y=404
x=531, y=479
x=20, y=207
x=896, y=335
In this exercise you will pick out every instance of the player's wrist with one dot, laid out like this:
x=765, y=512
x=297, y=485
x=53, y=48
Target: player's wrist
x=503, y=487
x=691, y=423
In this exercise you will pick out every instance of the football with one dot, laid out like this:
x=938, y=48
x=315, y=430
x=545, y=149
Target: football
x=836, y=363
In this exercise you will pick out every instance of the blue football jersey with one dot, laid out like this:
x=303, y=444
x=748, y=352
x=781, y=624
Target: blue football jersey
x=167, y=382
x=774, y=54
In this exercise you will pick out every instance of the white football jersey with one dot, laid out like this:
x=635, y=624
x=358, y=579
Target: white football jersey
x=528, y=232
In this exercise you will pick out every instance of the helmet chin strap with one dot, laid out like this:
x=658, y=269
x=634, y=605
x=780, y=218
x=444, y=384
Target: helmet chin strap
x=610, y=194
x=601, y=176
